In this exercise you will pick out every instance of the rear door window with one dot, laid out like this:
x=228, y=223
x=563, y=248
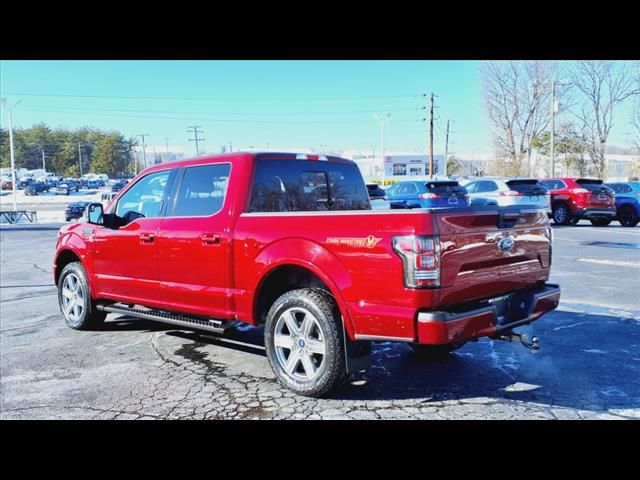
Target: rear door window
x=307, y=185
x=471, y=187
x=202, y=190
x=486, y=186
x=619, y=187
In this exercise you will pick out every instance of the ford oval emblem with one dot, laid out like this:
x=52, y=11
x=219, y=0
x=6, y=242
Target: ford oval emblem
x=506, y=244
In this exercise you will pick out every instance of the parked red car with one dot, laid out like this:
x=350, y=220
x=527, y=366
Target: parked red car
x=574, y=199
x=291, y=242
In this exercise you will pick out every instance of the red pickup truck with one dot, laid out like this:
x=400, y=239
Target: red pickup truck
x=291, y=242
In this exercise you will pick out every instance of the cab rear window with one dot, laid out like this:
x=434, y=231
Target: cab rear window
x=304, y=185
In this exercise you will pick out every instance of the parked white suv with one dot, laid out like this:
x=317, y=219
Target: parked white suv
x=518, y=191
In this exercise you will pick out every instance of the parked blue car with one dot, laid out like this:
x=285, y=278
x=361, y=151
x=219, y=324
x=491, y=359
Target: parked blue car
x=627, y=202
x=427, y=194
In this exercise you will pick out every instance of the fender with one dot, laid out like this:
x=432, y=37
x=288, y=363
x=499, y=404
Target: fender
x=312, y=256
x=74, y=243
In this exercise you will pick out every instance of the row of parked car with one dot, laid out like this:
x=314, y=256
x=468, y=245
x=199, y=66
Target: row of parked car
x=77, y=210
x=566, y=200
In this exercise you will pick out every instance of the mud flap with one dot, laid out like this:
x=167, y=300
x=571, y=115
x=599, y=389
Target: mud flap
x=357, y=354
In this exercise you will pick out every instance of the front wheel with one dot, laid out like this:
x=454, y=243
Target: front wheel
x=561, y=214
x=304, y=342
x=75, y=300
x=628, y=217
x=600, y=222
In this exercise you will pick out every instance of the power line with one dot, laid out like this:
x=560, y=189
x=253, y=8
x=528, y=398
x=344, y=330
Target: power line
x=329, y=122
x=234, y=99
x=196, y=139
x=352, y=112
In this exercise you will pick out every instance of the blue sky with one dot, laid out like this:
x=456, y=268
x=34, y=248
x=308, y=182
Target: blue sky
x=259, y=103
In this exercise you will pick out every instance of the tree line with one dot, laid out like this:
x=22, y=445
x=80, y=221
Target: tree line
x=69, y=152
x=518, y=97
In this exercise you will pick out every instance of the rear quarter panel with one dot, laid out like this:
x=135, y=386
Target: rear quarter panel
x=350, y=251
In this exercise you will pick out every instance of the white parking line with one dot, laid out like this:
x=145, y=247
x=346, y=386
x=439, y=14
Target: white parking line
x=617, y=263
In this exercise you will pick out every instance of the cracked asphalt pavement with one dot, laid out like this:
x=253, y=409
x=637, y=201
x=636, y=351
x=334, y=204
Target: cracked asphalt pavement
x=588, y=366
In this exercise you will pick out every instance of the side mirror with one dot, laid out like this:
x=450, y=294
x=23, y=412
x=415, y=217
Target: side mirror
x=95, y=214
x=130, y=216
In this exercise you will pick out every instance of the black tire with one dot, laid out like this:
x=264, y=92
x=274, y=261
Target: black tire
x=600, y=222
x=330, y=370
x=87, y=317
x=627, y=217
x=436, y=351
x=561, y=214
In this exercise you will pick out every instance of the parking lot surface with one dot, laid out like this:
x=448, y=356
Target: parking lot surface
x=588, y=366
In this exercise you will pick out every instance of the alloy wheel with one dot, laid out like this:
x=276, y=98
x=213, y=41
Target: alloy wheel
x=299, y=343
x=72, y=298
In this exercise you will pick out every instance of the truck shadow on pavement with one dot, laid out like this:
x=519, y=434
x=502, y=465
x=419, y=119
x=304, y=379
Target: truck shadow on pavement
x=586, y=361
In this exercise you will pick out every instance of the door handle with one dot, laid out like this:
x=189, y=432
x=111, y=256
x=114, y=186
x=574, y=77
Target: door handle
x=146, y=237
x=210, y=239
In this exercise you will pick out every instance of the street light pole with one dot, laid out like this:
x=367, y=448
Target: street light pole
x=553, y=129
x=382, y=122
x=12, y=153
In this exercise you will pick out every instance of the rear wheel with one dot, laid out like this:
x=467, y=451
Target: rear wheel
x=600, y=222
x=304, y=342
x=435, y=351
x=628, y=217
x=561, y=214
x=75, y=301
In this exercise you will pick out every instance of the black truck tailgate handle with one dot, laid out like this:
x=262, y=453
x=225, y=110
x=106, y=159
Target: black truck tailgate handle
x=508, y=219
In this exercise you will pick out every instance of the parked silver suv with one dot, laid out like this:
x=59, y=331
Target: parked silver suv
x=517, y=191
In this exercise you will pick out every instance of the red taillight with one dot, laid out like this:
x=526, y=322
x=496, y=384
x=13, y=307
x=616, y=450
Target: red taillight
x=429, y=196
x=421, y=260
x=579, y=191
x=511, y=193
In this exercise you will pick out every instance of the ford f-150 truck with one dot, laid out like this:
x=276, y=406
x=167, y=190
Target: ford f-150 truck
x=290, y=241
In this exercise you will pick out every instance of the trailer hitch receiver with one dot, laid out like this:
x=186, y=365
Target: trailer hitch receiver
x=530, y=343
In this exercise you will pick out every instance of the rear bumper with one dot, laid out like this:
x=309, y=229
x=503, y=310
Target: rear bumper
x=491, y=316
x=595, y=212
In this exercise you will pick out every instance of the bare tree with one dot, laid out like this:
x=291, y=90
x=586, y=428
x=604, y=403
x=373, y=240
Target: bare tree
x=603, y=86
x=517, y=100
x=635, y=118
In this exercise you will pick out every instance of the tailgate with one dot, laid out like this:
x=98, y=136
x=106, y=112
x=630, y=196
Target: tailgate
x=489, y=251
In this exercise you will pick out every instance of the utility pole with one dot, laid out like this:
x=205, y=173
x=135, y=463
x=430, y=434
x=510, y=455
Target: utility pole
x=196, y=139
x=446, y=149
x=43, y=164
x=80, y=158
x=144, y=151
x=553, y=129
x=382, y=121
x=554, y=110
x=431, y=139
x=11, y=149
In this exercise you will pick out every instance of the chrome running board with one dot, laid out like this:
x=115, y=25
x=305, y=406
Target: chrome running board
x=210, y=325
